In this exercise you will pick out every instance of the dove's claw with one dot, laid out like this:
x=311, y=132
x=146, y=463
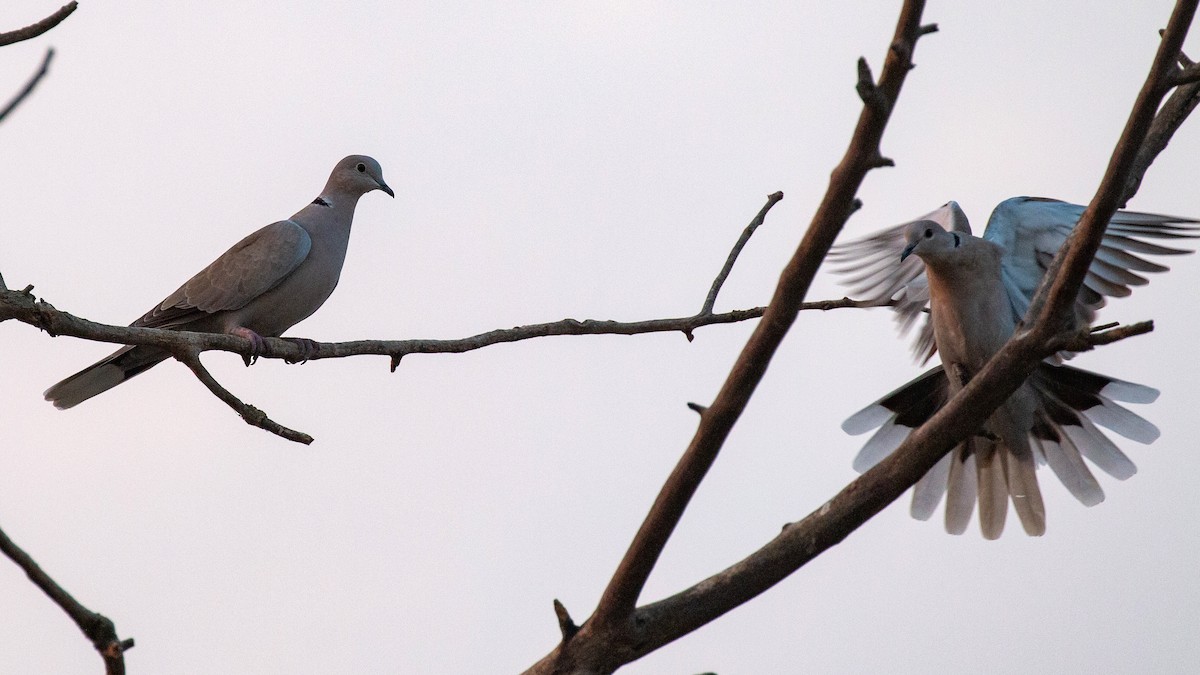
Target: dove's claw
x=257, y=344
x=308, y=349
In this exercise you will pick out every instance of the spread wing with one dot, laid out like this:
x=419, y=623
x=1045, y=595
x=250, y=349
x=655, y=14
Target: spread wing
x=876, y=275
x=252, y=267
x=1032, y=229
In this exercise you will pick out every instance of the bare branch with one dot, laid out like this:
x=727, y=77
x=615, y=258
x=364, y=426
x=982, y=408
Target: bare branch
x=711, y=299
x=626, y=634
x=1062, y=281
x=21, y=306
x=98, y=629
x=1167, y=120
x=40, y=27
x=253, y=416
x=29, y=86
x=1097, y=336
x=617, y=603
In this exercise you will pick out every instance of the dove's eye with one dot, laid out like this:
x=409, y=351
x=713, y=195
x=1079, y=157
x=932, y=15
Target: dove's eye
x=361, y=167
x=929, y=233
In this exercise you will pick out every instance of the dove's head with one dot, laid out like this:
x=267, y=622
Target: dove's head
x=926, y=238
x=356, y=175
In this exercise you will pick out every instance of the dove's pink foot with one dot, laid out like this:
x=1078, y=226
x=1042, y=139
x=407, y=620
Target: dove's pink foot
x=256, y=343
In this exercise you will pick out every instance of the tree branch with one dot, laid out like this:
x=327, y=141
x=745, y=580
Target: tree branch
x=617, y=634
x=22, y=306
x=29, y=86
x=34, y=30
x=252, y=416
x=619, y=598
x=608, y=639
x=1051, y=304
x=97, y=628
x=1167, y=120
x=711, y=299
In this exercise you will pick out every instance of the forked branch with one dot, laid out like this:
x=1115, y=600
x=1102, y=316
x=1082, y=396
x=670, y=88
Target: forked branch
x=24, y=307
x=614, y=635
x=618, y=633
x=98, y=629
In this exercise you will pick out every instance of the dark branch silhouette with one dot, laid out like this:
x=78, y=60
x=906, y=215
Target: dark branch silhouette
x=33, y=30
x=24, y=307
x=617, y=632
x=29, y=86
x=98, y=628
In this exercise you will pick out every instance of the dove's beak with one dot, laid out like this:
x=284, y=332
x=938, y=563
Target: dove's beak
x=908, y=251
x=384, y=186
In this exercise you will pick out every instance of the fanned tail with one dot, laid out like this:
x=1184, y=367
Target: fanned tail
x=985, y=470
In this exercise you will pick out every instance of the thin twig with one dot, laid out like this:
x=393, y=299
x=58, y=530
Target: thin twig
x=619, y=599
x=623, y=589
x=1056, y=294
x=253, y=416
x=98, y=629
x=1166, y=122
x=34, y=30
x=604, y=646
x=565, y=625
x=1090, y=338
x=29, y=86
x=711, y=299
x=23, y=307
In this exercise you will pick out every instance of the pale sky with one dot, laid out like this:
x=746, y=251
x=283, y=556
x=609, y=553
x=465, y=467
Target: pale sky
x=551, y=160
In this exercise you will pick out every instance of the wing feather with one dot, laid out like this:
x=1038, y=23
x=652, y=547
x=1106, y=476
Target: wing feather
x=250, y=268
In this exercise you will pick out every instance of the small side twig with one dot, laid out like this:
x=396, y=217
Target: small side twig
x=711, y=298
x=98, y=629
x=865, y=86
x=565, y=624
x=36, y=29
x=1090, y=338
x=253, y=416
x=29, y=86
x=619, y=599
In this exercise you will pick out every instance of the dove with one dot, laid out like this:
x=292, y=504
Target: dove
x=970, y=293
x=262, y=286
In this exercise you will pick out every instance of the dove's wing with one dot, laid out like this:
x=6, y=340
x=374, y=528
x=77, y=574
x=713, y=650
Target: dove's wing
x=250, y=268
x=875, y=273
x=1031, y=230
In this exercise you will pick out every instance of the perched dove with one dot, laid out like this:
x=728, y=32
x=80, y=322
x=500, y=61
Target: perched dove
x=972, y=293
x=264, y=285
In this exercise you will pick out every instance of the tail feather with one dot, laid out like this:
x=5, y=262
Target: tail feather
x=103, y=375
x=1100, y=450
x=962, y=489
x=987, y=471
x=928, y=491
x=1020, y=473
x=993, y=491
x=1066, y=463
